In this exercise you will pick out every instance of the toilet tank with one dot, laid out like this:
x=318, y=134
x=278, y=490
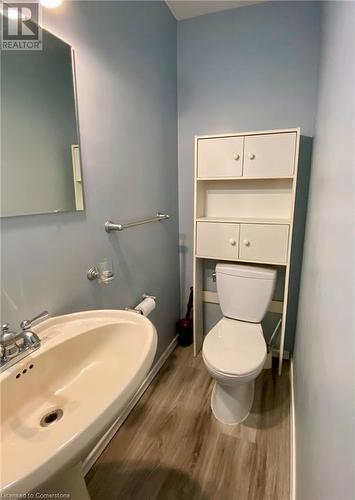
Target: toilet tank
x=245, y=292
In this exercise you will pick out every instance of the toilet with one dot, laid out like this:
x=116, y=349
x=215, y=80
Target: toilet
x=234, y=351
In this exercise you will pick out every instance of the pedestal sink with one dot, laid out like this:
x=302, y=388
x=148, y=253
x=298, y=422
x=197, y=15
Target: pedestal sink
x=58, y=401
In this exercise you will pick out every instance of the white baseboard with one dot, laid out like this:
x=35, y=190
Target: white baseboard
x=106, y=438
x=292, y=437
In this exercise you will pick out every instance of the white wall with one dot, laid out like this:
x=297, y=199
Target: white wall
x=324, y=350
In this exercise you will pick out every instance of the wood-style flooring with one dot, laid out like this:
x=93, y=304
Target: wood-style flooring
x=171, y=447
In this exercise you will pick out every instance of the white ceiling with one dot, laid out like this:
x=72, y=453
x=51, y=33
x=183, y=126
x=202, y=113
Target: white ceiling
x=184, y=9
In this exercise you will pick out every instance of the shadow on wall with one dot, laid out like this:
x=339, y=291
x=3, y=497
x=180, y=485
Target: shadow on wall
x=141, y=481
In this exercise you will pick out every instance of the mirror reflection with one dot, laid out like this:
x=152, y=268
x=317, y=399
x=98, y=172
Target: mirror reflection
x=40, y=164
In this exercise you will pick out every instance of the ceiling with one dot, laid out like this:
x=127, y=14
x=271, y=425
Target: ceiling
x=184, y=9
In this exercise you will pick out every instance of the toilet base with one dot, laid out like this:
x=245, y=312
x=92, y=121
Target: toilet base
x=231, y=404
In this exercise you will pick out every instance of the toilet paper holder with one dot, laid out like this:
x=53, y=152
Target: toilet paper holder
x=137, y=309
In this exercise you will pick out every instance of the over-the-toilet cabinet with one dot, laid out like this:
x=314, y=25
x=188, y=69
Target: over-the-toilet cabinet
x=250, y=206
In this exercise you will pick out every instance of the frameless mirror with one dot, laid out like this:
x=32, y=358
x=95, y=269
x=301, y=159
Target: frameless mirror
x=40, y=158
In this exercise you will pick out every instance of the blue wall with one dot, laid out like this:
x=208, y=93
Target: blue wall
x=324, y=349
x=126, y=76
x=250, y=68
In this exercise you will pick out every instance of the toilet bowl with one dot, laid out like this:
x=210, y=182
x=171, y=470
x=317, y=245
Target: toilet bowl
x=234, y=351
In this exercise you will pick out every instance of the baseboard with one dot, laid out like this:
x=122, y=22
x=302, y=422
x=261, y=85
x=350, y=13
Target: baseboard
x=292, y=437
x=106, y=438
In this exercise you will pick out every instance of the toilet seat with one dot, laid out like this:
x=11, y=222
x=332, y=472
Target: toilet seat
x=235, y=348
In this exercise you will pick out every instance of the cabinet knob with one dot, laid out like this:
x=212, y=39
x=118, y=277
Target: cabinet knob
x=251, y=156
x=246, y=243
x=236, y=156
x=232, y=242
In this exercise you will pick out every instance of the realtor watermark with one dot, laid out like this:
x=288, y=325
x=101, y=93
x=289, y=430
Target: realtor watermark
x=36, y=495
x=21, y=28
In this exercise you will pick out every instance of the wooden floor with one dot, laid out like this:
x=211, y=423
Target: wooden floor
x=171, y=447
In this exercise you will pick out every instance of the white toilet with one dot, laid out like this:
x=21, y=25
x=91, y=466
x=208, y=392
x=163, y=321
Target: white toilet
x=234, y=351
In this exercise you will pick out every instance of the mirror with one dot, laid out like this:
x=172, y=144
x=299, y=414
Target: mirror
x=40, y=159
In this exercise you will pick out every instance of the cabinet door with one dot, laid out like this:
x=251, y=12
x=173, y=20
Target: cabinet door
x=217, y=239
x=269, y=155
x=220, y=157
x=264, y=242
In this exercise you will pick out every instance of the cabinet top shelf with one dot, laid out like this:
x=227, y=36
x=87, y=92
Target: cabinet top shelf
x=241, y=178
x=246, y=261
x=296, y=130
x=245, y=220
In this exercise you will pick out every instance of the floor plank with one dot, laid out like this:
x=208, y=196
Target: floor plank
x=172, y=448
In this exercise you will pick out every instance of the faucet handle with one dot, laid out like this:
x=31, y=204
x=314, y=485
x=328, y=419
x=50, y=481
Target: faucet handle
x=26, y=324
x=5, y=327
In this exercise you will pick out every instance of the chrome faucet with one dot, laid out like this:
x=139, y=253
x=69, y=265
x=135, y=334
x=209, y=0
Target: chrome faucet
x=14, y=346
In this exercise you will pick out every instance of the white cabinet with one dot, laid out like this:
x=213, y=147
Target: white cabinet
x=264, y=242
x=262, y=155
x=246, y=189
x=269, y=155
x=246, y=242
x=217, y=240
x=220, y=157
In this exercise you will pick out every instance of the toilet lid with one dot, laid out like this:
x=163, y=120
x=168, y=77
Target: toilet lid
x=235, y=347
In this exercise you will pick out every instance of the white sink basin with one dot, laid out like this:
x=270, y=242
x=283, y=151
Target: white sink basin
x=88, y=366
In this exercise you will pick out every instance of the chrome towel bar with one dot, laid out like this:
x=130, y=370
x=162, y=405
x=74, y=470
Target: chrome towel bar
x=111, y=226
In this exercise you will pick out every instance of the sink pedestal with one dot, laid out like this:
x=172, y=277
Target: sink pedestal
x=69, y=482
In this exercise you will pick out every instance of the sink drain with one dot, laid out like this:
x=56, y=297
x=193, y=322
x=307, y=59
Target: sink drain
x=51, y=418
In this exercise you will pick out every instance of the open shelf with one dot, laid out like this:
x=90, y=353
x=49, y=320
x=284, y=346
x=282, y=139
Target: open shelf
x=262, y=200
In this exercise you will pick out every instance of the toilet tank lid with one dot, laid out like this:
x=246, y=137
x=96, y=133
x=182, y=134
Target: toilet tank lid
x=256, y=272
